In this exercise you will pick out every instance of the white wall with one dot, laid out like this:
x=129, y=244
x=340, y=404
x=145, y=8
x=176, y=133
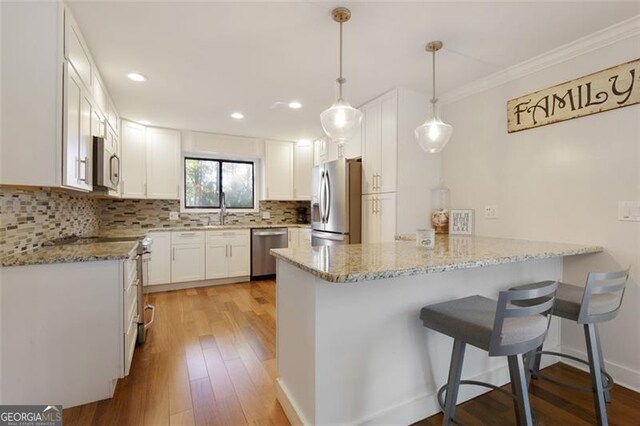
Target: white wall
x=560, y=182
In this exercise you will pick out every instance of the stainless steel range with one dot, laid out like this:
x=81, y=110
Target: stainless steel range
x=143, y=255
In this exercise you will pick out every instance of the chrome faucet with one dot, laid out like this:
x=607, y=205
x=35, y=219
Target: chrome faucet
x=223, y=207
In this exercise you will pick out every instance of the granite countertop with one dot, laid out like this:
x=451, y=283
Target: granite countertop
x=71, y=253
x=364, y=262
x=112, y=250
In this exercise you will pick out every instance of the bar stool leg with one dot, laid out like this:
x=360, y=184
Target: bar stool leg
x=607, y=394
x=590, y=334
x=538, y=358
x=453, y=382
x=519, y=387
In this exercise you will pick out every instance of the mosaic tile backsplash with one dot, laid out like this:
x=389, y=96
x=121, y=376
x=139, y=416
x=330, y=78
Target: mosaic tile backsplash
x=28, y=218
x=130, y=214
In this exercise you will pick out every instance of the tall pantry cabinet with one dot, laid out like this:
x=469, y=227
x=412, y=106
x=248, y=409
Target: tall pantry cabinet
x=397, y=175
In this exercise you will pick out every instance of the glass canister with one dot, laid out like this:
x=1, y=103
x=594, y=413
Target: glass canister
x=440, y=197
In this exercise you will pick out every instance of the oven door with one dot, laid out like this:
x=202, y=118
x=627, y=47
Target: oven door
x=319, y=238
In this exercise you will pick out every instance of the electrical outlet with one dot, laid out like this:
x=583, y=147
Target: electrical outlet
x=174, y=215
x=491, y=212
x=629, y=211
x=266, y=215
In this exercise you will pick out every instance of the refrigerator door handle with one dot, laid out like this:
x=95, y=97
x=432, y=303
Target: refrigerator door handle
x=321, y=196
x=328, y=197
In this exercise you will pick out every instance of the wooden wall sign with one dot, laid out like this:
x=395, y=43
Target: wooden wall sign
x=615, y=87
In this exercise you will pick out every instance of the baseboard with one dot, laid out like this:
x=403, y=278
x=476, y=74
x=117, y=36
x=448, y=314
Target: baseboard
x=426, y=405
x=289, y=406
x=194, y=284
x=622, y=375
x=414, y=409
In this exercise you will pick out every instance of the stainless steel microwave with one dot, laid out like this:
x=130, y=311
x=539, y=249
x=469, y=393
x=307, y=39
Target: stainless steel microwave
x=106, y=164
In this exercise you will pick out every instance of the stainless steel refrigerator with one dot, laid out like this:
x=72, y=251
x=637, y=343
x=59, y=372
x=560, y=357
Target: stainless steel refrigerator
x=336, y=203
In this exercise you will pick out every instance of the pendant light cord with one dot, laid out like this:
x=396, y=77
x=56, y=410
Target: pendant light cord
x=433, y=63
x=340, y=79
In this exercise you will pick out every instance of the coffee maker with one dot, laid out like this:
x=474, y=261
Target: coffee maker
x=302, y=215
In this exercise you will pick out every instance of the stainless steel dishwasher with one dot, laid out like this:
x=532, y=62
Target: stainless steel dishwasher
x=263, y=240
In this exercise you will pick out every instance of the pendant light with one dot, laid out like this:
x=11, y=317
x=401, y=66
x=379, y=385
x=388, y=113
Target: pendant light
x=433, y=134
x=341, y=121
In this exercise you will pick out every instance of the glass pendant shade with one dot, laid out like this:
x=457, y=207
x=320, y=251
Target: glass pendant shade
x=433, y=135
x=341, y=121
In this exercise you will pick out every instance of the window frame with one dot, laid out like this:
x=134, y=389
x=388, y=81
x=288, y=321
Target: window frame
x=221, y=161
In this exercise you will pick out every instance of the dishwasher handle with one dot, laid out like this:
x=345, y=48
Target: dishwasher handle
x=269, y=233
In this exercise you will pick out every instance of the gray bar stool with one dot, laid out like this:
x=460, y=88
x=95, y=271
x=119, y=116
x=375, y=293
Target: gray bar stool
x=598, y=301
x=502, y=329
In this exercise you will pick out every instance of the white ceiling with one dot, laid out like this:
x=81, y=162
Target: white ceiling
x=205, y=60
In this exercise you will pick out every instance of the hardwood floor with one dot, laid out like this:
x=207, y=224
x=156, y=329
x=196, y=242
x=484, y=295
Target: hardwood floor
x=210, y=359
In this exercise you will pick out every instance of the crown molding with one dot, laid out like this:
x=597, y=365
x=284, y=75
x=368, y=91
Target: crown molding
x=602, y=38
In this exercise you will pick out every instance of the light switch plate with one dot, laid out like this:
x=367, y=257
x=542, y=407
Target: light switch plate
x=266, y=215
x=174, y=215
x=629, y=211
x=491, y=211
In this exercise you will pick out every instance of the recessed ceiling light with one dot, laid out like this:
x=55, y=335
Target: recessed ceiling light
x=237, y=115
x=295, y=105
x=136, y=77
x=144, y=122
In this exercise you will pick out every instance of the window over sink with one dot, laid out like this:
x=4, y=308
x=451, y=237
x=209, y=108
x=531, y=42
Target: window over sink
x=206, y=178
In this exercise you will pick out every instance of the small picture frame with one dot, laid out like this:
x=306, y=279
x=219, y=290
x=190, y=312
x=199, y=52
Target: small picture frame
x=461, y=222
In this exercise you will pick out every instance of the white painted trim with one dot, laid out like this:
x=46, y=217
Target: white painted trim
x=605, y=37
x=156, y=288
x=414, y=409
x=622, y=375
x=289, y=406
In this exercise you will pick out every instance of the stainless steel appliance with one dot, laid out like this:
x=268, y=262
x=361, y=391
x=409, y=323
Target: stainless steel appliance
x=106, y=164
x=143, y=255
x=263, y=240
x=336, y=203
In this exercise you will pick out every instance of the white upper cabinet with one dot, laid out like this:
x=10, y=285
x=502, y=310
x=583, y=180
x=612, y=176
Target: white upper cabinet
x=53, y=81
x=353, y=147
x=133, y=162
x=77, y=140
x=303, y=164
x=379, y=144
x=163, y=163
x=278, y=157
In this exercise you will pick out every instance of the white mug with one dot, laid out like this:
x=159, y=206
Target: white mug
x=426, y=238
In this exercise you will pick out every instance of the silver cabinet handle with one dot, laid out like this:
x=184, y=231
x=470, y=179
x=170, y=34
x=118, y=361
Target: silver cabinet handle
x=187, y=234
x=83, y=163
x=173, y=255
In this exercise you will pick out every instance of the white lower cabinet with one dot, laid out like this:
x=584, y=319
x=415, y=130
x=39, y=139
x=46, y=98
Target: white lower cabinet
x=378, y=218
x=187, y=256
x=227, y=254
x=160, y=262
x=293, y=239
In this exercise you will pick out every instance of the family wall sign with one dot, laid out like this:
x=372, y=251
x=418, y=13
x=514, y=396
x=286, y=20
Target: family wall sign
x=615, y=87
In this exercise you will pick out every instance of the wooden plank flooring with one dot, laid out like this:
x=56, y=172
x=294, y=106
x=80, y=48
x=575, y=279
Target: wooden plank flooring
x=210, y=360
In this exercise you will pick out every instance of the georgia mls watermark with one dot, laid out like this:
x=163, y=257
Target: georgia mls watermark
x=30, y=415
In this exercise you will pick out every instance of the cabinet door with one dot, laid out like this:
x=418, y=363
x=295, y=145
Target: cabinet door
x=216, y=255
x=370, y=146
x=77, y=151
x=160, y=263
x=133, y=163
x=292, y=241
x=239, y=258
x=303, y=164
x=76, y=51
x=353, y=147
x=187, y=262
x=279, y=170
x=319, y=151
x=386, y=212
x=304, y=237
x=370, y=220
x=163, y=163
x=388, y=142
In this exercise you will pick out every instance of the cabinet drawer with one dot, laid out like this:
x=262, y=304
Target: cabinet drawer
x=130, y=345
x=187, y=237
x=130, y=303
x=228, y=237
x=130, y=272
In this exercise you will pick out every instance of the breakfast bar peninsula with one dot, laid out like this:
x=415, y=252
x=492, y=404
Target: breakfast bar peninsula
x=351, y=348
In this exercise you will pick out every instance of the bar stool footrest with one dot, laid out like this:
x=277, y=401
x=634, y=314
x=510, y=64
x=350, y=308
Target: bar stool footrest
x=606, y=387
